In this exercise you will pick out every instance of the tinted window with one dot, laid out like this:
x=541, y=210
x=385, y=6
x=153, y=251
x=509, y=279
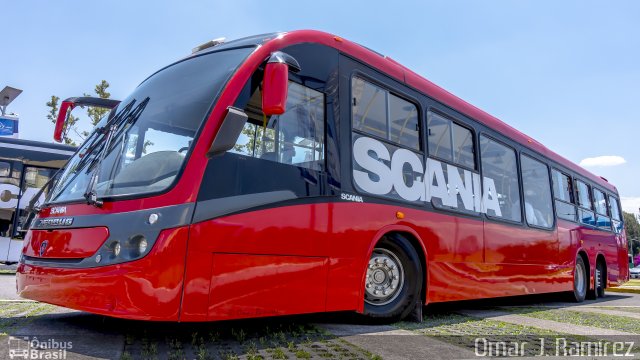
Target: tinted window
x=584, y=198
x=562, y=186
x=450, y=141
x=369, y=108
x=587, y=217
x=537, y=193
x=615, y=214
x=615, y=210
x=295, y=137
x=565, y=211
x=600, y=202
x=499, y=168
x=404, y=123
x=439, y=137
x=378, y=112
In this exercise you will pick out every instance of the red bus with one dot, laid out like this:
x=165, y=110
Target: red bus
x=299, y=172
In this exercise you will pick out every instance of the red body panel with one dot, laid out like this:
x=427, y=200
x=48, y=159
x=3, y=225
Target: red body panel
x=310, y=258
x=147, y=289
x=65, y=243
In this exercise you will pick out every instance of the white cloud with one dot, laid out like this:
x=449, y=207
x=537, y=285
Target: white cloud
x=607, y=160
x=630, y=204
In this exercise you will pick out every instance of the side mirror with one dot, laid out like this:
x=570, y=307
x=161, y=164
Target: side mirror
x=65, y=109
x=70, y=103
x=229, y=132
x=275, y=84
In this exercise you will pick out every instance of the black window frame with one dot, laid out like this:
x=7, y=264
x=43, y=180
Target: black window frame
x=396, y=93
x=572, y=193
x=550, y=183
x=516, y=153
x=454, y=121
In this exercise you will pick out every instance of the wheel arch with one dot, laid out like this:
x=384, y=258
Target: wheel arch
x=585, y=259
x=414, y=239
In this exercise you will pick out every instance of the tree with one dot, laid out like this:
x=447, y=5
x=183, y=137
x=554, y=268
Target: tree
x=632, y=228
x=94, y=113
x=70, y=124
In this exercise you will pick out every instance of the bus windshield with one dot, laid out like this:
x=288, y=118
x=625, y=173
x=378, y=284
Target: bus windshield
x=140, y=146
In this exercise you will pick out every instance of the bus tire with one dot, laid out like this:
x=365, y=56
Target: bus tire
x=600, y=278
x=580, y=281
x=393, y=281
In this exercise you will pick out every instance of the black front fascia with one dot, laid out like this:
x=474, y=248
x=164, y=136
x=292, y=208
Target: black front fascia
x=122, y=227
x=235, y=183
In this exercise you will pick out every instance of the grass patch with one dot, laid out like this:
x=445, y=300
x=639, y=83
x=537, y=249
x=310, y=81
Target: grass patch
x=14, y=315
x=601, y=321
x=7, y=272
x=248, y=339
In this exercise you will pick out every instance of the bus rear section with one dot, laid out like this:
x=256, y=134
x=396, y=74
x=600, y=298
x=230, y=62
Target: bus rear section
x=297, y=173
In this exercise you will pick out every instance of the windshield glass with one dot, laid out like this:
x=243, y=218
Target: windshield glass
x=140, y=146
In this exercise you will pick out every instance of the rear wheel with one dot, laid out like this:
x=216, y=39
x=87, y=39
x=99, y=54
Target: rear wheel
x=580, y=280
x=600, y=279
x=393, y=281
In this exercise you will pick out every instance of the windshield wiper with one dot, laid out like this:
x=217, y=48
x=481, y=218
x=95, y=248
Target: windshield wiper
x=119, y=122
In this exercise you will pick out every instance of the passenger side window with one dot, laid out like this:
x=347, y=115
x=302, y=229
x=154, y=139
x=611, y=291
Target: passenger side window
x=450, y=141
x=563, y=190
x=584, y=200
x=500, y=178
x=615, y=214
x=295, y=137
x=603, y=220
x=377, y=112
x=537, y=193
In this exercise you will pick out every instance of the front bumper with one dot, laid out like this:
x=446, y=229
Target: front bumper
x=145, y=289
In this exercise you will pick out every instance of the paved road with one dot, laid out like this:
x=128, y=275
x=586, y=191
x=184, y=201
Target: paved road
x=97, y=337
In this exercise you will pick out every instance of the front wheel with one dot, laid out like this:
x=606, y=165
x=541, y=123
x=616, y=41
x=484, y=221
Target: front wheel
x=580, y=280
x=393, y=281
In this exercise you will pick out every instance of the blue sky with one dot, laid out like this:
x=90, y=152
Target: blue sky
x=566, y=73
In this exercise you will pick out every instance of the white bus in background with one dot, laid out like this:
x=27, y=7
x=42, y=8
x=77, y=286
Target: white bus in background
x=25, y=167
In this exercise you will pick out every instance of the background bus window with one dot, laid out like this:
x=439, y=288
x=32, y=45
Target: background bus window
x=34, y=179
x=586, y=206
x=499, y=164
x=562, y=189
x=603, y=220
x=378, y=112
x=537, y=193
x=295, y=137
x=615, y=214
x=450, y=141
x=5, y=169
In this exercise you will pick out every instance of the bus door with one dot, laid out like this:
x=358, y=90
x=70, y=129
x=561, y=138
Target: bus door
x=261, y=220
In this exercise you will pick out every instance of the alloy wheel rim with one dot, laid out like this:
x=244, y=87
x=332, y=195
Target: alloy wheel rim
x=384, y=279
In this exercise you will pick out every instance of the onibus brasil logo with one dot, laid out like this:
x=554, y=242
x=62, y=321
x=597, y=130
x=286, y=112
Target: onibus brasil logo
x=30, y=347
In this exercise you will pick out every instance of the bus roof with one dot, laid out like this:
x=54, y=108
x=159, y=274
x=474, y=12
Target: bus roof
x=32, y=152
x=412, y=79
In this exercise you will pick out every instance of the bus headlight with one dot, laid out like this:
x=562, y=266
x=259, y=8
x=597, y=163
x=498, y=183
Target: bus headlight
x=116, y=249
x=142, y=245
